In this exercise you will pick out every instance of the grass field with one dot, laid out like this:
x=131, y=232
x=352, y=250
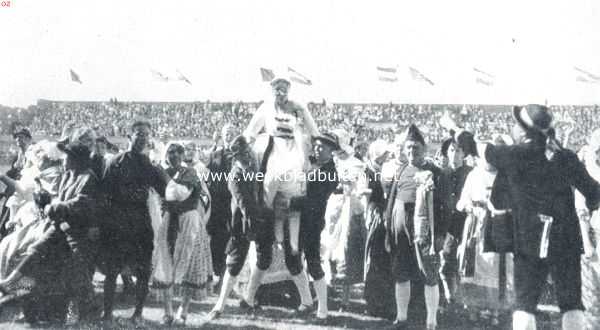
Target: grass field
x=269, y=318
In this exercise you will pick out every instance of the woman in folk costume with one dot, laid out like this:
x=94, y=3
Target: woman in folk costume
x=345, y=234
x=183, y=240
x=413, y=237
x=283, y=157
x=590, y=230
x=379, y=286
x=484, y=272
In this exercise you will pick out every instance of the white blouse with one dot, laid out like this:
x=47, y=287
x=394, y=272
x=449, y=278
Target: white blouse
x=477, y=188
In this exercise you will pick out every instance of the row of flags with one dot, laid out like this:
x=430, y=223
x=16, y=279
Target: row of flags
x=390, y=74
x=165, y=78
x=385, y=74
x=159, y=76
x=295, y=76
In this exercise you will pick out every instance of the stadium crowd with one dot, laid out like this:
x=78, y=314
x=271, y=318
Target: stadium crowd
x=447, y=231
x=201, y=120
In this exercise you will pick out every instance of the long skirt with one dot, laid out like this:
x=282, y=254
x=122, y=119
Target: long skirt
x=489, y=284
x=344, y=239
x=190, y=265
x=379, y=282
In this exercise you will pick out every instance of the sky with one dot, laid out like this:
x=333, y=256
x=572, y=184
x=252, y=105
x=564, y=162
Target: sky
x=530, y=47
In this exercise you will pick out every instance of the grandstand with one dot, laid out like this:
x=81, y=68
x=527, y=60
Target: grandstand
x=200, y=120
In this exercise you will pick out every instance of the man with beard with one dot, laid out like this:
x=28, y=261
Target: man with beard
x=219, y=165
x=127, y=233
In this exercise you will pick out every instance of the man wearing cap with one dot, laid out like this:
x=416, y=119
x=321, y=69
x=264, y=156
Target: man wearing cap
x=219, y=164
x=127, y=232
x=283, y=158
x=322, y=181
x=452, y=181
x=547, y=238
x=413, y=232
x=72, y=213
x=247, y=223
x=23, y=139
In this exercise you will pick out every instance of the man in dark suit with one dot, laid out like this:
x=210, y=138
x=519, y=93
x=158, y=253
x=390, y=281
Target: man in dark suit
x=126, y=229
x=219, y=163
x=245, y=225
x=541, y=176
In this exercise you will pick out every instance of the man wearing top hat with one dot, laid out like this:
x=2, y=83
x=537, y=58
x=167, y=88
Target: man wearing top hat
x=541, y=176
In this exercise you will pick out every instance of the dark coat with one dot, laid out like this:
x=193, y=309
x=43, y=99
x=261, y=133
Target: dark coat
x=244, y=201
x=450, y=187
x=541, y=186
x=77, y=203
x=126, y=183
x=312, y=216
x=219, y=163
x=379, y=282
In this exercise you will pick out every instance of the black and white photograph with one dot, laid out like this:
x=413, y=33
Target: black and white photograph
x=410, y=165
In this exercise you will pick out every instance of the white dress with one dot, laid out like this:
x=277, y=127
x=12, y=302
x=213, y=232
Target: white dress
x=482, y=289
x=345, y=232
